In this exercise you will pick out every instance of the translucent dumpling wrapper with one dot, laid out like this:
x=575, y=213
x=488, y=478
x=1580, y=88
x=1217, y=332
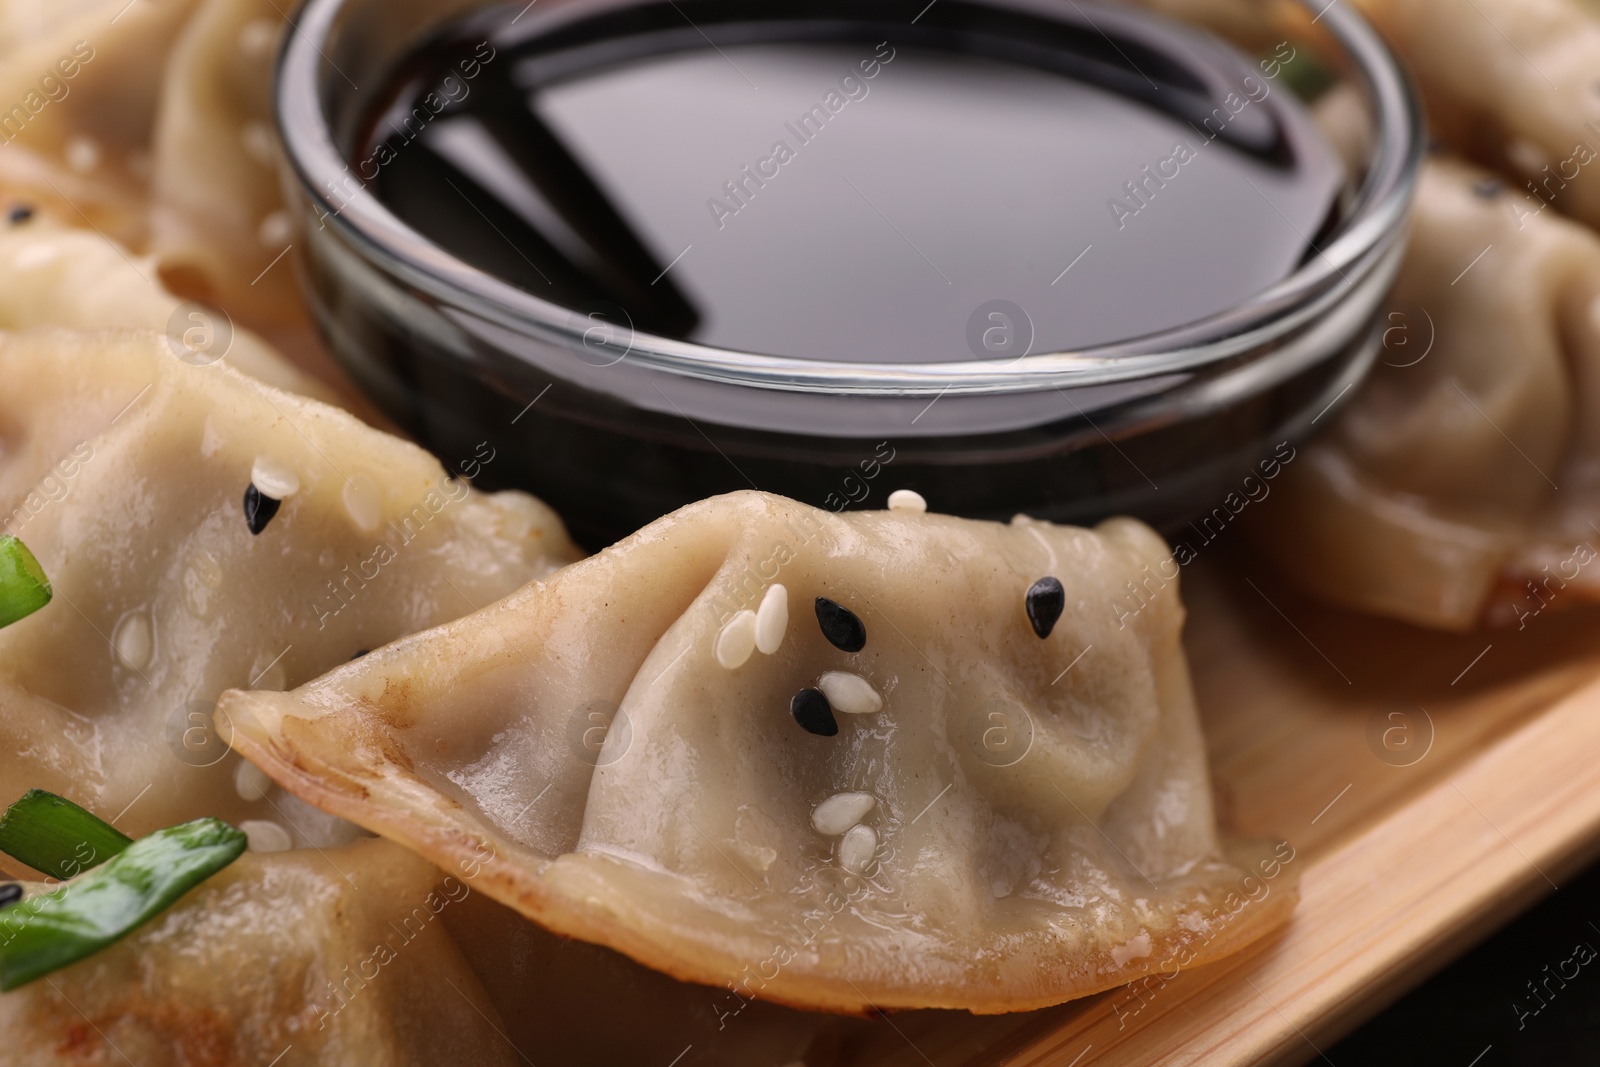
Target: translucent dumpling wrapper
x=130, y=475
x=1040, y=823
x=53, y=275
x=152, y=123
x=221, y=230
x=80, y=84
x=1510, y=83
x=340, y=957
x=1462, y=482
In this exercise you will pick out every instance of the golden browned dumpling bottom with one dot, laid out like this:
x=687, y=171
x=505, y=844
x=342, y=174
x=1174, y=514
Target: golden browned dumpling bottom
x=899, y=795
x=341, y=956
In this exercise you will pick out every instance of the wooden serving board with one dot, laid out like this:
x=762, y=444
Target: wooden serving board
x=1432, y=785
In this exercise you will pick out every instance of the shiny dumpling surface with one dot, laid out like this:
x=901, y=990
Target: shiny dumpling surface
x=125, y=470
x=52, y=275
x=1511, y=83
x=1040, y=822
x=152, y=123
x=339, y=957
x=1434, y=496
x=223, y=227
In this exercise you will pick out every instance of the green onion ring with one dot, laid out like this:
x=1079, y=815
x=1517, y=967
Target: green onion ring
x=42, y=934
x=24, y=589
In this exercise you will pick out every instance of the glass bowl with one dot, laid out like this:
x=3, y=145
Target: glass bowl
x=614, y=427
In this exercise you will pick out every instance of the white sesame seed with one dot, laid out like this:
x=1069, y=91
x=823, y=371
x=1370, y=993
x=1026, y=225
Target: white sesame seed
x=856, y=848
x=256, y=38
x=133, y=641
x=737, y=640
x=363, y=503
x=850, y=693
x=257, y=140
x=274, y=478
x=267, y=674
x=250, y=781
x=83, y=154
x=210, y=439
x=36, y=255
x=275, y=229
x=1526, y=156
x=772, y=619
x=267, y=836
x=907, y=500
x=840, y=812
x=520, y=516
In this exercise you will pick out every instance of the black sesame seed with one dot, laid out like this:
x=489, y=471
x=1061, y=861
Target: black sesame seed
x=1045, y=602
x=10, y=894
x=20, y=213
x=813, y=712
x=258, y=508
x=840, y=626
x=1488, y=188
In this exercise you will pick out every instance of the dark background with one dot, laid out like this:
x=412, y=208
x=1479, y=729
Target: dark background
x=1473, y=1004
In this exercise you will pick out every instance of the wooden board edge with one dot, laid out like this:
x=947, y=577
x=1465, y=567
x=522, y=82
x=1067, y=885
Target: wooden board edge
x=1378, y=911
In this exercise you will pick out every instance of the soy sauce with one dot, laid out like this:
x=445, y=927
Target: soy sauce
x=867, y=181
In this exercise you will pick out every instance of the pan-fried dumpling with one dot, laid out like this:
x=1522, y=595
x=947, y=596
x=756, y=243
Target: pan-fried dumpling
x=559, y=1000
x=383, y=969
x=1434, y=496
x=1511, y=83
x=881, y=759
x=51, y=275
x=278, y=952
x=203, y=531
x=152, y=122
x=218, y=230
x=81, y=81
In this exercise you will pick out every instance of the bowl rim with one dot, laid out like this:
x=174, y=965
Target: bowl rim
x=1374, y=224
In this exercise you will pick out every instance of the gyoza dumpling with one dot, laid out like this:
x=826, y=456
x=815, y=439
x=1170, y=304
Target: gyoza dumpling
x=51, y=275
x=369, y=956
x=81, y=81
x=222, y=228
x=1512, y=84
x=340, y=957
x=560, y=1000
x=869, y=759
x=151, y=122
x=1434, y=498
x=204, y=531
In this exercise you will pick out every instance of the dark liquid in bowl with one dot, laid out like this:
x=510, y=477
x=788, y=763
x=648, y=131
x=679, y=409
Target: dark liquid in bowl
x=857, y=180
x=834, y=181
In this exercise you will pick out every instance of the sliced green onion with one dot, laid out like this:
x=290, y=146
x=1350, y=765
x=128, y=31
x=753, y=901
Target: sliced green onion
x=24, y=589
x=43, y=934
x=53, y=835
